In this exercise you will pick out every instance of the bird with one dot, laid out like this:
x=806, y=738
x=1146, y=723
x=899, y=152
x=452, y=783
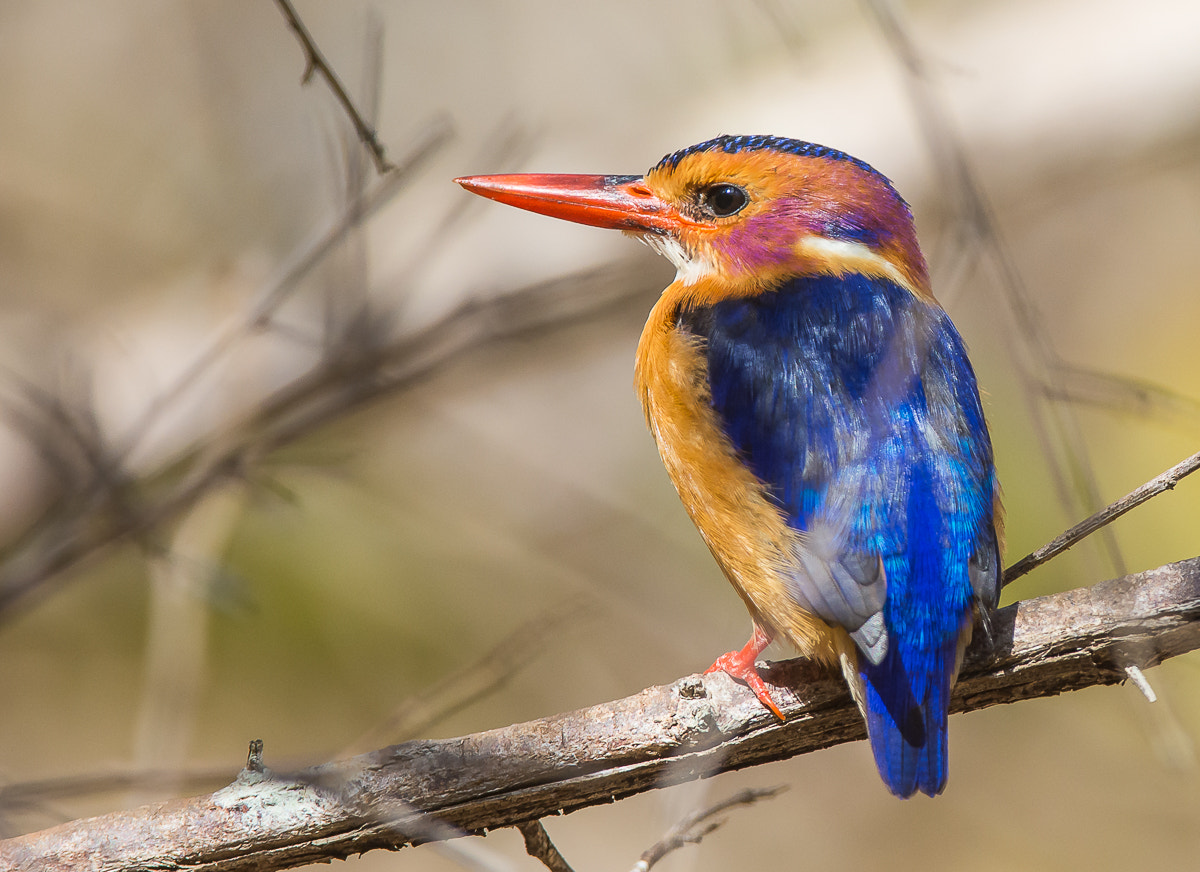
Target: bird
x=818, y=414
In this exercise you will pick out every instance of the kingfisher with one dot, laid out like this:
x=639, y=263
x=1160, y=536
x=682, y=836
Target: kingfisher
x=816, y=410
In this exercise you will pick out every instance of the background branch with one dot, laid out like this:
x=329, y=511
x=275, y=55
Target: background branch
x=1033, y=352
x=338, y=385
x=314, y=62
x=695, y=728
x=698, y=824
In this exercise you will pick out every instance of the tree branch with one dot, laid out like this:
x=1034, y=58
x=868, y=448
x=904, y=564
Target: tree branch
x=697, y=727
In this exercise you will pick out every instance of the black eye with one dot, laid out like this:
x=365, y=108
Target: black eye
x=723, y=199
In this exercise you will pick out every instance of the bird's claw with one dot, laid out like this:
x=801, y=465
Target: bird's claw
x=737, y=666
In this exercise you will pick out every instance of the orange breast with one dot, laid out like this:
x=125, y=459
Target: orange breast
x=746, y=533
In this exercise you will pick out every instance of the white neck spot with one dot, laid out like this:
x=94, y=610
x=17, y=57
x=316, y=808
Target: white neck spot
x=848, y=252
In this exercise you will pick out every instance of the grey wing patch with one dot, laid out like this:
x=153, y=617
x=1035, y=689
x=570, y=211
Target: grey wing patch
x=843, y=588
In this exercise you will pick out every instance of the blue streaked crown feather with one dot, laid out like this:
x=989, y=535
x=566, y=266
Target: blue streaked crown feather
x=737, y=144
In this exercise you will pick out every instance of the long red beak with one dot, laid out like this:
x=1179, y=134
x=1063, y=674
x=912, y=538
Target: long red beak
x=616, y=202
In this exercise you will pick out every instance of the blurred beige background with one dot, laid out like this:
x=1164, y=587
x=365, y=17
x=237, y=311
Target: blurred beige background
x=159, y=163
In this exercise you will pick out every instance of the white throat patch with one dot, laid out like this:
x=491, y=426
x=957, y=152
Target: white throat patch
x=689, y=269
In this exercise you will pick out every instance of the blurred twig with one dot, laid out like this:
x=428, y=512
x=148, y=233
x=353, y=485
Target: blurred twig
x=181, y=596
x=103, y=502
x=314, y=62
x=338, y=384
x=699, y=824
x=503, y=777
x=287, y=278
x=100, y=500
x=1125, y=394
x=1033, y=353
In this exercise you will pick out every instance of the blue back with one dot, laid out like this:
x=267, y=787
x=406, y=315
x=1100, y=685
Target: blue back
x=855, y=404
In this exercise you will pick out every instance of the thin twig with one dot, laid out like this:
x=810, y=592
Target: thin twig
x=299, y=264
x=1126, y=395
x=1105, y=516
x=1141, y=682
x=539, y=846
x=699, y=824
x=314, y=62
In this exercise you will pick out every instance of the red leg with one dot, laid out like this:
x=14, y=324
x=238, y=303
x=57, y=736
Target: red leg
x=739, y=665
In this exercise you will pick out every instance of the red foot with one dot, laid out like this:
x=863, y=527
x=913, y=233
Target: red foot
x=739, y=665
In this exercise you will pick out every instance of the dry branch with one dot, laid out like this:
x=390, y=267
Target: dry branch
x=697, y=727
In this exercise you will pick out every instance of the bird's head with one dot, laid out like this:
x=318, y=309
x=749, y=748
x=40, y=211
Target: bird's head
x=738, y=215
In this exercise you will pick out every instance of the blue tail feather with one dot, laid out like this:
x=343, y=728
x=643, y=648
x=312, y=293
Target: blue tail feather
x=908, y=693
x=907, y=722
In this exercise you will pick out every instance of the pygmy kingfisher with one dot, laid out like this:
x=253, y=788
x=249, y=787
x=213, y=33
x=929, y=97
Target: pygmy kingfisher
x=818, y=415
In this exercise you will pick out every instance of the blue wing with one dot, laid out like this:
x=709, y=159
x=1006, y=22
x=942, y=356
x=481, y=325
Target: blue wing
x=856, y=406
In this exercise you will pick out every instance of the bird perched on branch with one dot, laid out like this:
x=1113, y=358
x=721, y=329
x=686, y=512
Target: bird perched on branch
x=816, y=410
